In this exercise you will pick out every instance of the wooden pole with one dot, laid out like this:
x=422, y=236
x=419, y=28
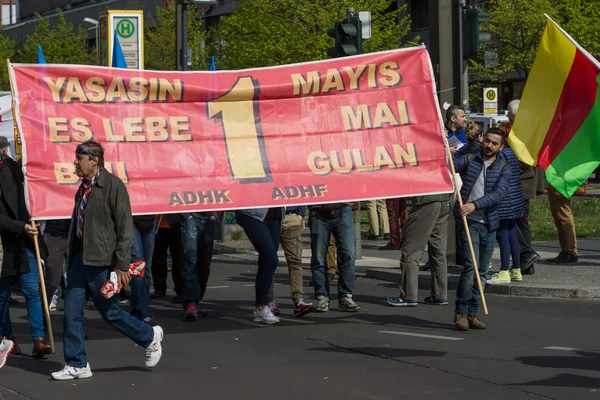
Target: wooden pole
x=43, y=286
x=460, y=203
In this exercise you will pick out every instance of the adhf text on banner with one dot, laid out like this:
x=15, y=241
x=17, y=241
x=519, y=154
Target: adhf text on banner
x=354, y=128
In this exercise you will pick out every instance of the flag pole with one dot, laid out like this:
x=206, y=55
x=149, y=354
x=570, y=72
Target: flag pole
x=43, y=286
x=464, y=219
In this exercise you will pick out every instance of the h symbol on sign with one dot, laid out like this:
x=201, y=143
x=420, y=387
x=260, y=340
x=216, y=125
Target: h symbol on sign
x=126, y=29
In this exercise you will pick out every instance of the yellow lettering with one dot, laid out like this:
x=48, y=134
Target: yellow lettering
x=116, y=91
x=74, y=91
x=96, y=86
x=355, y=75
x=110, y=134
x=55, y=87
x=156, y=127
x=56, y=126
x=403, y=112
x=133, y=126
x=333, y=80
x=335, y=161
x=317, y=162
x=310, y=85
x=401, y=155
x=355, y=121
x=384, y=115
x=388, y=69
x=372, y=76
x=138, y=92
x=65, y=173
x=82, y=132
x=178, y=127
x=166, y=88
x=382, y=158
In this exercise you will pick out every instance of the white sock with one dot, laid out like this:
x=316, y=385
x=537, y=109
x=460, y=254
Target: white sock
x=2, y=345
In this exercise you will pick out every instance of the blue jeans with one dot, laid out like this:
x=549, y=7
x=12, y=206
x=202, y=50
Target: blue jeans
x=30, y=284
x=197, y=239
x=265, y=237
x=141, y=250
x=468, y=297
x=321, y=228
x=84, y=281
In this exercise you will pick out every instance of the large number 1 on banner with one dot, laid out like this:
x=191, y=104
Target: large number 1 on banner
x=239, y=114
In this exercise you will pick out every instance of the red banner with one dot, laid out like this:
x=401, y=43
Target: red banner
x=355, y=128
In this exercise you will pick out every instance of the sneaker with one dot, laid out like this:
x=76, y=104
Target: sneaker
x=8, y=347
x=191, y=312
x=347, y=304
x=154, y=349
x=398, y=302
x=515, y=275
x=68, y=373
x=301, y=308
x=322, y=304
x=274, y=308
x=437, y=302
x=501, y=278
x=265, y=316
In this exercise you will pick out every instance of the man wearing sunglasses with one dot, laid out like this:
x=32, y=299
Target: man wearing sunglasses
x=100, y=239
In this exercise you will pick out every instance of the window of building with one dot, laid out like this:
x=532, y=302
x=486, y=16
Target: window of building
x=419, y=14
x=6, y=14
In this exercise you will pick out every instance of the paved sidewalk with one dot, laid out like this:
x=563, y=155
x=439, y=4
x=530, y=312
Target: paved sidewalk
x=579, y=280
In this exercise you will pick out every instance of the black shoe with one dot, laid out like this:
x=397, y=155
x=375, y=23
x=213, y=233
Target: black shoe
x=558, y=257
x=389, y=246
x=386, y=236
x=529, y=262
x=13, y=302
x=177, y=299
x=158, y=294
x=528, y=271
x=568, y=258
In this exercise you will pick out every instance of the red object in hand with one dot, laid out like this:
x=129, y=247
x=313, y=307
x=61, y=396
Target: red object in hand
x=112, y=286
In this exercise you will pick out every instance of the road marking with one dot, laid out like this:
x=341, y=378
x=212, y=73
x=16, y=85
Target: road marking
x=296, y=320
x=250, y=285
x=245, y=322
x=422, y=335
x=217, y=287
x=559, y=348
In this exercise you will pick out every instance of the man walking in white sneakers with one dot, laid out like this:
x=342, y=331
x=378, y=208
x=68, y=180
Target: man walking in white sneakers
x=100, y=239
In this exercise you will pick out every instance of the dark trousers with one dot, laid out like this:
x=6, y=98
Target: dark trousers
x=509, y=245
x=57, y=254
x=398, y=216
x=265, y=237
x=524, y=234
x=197, y=238
x=167, y=238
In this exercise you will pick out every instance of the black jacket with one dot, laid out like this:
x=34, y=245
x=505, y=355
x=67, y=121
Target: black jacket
x=13, y=217
x=107, y=225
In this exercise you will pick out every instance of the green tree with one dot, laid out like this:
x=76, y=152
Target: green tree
x=263, y=33
x=7, y=50
x=61, y=43
x=160, y=44
x=517, y=25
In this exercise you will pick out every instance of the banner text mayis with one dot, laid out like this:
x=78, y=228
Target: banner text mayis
x=98, y=90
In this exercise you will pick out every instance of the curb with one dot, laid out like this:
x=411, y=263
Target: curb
x=519, y=290
x=222, y=249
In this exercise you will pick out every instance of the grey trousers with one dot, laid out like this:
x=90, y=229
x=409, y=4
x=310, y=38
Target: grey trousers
x=427, y=225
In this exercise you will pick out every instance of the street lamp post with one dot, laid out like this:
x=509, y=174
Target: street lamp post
x=182, y=57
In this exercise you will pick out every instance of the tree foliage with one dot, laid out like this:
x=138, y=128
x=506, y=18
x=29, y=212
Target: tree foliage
x=160, y=44
x=7, y=50
x=62, y=43
x=517, y=26
x=263, y=33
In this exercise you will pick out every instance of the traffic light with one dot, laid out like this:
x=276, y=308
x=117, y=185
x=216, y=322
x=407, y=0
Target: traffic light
x=348, y=38
x=473, y=37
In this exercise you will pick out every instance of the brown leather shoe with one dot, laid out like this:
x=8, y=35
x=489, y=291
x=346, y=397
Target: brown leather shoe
x=461, y=322
x=40, y=348
x=16, y=350
x=475, y=323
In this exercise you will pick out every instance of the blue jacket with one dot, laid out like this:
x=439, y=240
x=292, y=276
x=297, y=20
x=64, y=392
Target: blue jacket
x=513, y=205
x=460, y=134
x=497, y=182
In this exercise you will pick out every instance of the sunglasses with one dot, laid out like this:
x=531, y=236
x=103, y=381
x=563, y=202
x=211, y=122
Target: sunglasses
x=80, y=150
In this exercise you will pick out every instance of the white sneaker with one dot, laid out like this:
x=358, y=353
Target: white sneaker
x=154, y=349
x=265, y=316
x=8, y=346
x=69, y=372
